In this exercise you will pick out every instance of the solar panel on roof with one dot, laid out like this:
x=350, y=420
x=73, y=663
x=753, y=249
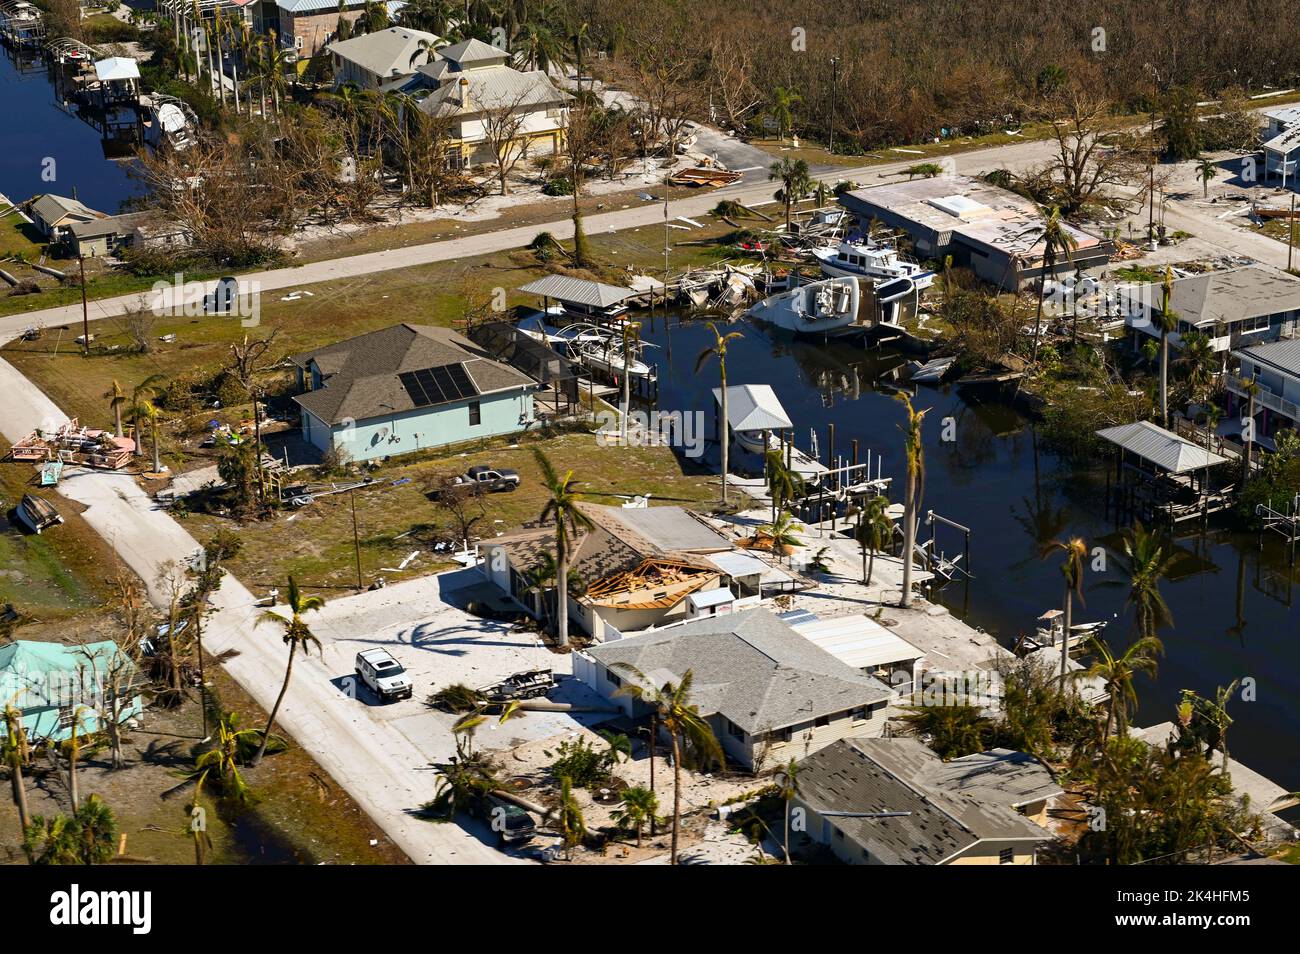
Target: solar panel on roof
x=430, y=386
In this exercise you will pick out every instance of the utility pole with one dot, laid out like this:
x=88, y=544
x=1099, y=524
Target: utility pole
x=356, y=539
x=1290, y=241
x=85, y=310
x=835, y=82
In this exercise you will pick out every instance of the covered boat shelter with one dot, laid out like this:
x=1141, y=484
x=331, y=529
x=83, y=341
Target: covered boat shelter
x=1160, y=476
x=580, y=298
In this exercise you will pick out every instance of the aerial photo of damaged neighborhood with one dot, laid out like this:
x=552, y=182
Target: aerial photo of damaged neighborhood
x=612, y=432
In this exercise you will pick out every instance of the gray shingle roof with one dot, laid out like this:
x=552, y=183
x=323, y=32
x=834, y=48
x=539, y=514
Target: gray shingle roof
x=361, y=374
x=1236, y=294
x=489, y=88
x=1166, y=450
x=950, y=808
x=750, y=667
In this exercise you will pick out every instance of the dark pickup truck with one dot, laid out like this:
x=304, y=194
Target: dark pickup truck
x=484, y=480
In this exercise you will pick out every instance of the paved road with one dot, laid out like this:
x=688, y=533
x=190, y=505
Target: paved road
x=383, y=770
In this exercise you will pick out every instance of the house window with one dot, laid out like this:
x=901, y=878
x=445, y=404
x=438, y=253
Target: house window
x=821, y=721
x=475, y=414
x=1007, y=856
x=735, y=731
x=613, y=679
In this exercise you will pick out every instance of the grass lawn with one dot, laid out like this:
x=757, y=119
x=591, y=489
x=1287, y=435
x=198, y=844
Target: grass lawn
x=315, y=544
x=62, y=572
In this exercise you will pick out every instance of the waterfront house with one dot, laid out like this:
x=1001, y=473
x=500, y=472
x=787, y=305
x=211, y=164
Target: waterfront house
x=407, y=388
x=55, y=215
x=1235, y=308
x=984, y=809
x=1282, y=143
x=56, y=686
x=382, y=60
x=768, y=693
x=470, y=84
x=304, y=27
x=107, y=235
x=1275, y=369
x=636, y=567
x=994, y=232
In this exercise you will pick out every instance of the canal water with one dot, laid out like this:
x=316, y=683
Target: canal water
x=1230, y=601
x=48, y=150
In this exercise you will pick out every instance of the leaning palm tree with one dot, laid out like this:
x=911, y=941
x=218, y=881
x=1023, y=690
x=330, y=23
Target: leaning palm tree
x=914, y=457
x=639, y=806
x=1166, y=321
x=1057, y=239
x=783, y=530
x=719, y=348
x=681, y=719
x=144, y=392
x=15, y=751
x=297, y=636
x=562, y=507
x=232, y=746
x=116, y=401
x=1117, y=672
x=796, y=180
x=788, y=786
x=1145, y=559
x=1075, y=551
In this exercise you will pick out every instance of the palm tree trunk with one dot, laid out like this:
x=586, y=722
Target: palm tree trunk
x=20, y=794
x=153, y=430
x=1065, y=636
x=677, y=794
x=725, y=430
x=561, y=585
x=871, y=565
x=909, y=537
x=275, y=709
x=1164, y=379
x=117, y=420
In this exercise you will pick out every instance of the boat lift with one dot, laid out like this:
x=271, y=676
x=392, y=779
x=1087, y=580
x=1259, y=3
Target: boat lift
x=1285, y=522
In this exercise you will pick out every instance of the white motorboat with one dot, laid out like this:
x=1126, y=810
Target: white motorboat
x=561, y=339
x=817, y=307
x=598, y=356
x=1049, y=631
x=873, y=261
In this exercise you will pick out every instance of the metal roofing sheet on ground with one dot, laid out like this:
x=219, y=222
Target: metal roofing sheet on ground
x=1166, y=450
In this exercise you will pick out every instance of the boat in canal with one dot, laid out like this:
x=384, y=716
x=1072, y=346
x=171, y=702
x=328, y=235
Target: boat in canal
x=37, y=513
x=816, y=308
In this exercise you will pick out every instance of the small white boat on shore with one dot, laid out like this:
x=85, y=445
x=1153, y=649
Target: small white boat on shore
x=815, y=308
x=931, y=372
x=874, y=262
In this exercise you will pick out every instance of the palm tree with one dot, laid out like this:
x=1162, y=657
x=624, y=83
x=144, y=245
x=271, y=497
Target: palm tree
x=233, y=746
x=685, y=726
x=568, y=818
x=1057, y=238
x=784, y=484
x=1166, y=321
x=1075, y=552
x=1145, y=560
x=782, y=531
x=796, y=180
x=562, y=506
x=1118, y=672
x=116, y=401
x=874, y=531
x=639, y=806
x=149, y=411
x=788, y=786
x=782, y=109
x=1213, y=715
x=631, y=335
x=144, y=392
x=914, y=457
x=16, y=751
x=719, y=348
x=1250, y=388
x=297, y=636
x=1200, y=359
x=96, y=831
x=1206, y=170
